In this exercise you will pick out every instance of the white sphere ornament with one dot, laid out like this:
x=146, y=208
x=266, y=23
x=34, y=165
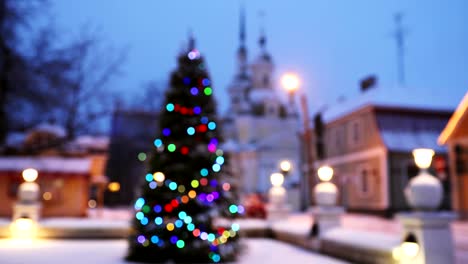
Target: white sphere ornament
x=28, y=192
x=424, y=192
x=276, y=179
x=325, y=194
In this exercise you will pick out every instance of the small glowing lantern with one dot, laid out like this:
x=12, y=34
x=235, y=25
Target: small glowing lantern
x=410, y=247
x=277, y=179
x=114, y=186
x=23, y=227
x=30, y=175
x=285, y=166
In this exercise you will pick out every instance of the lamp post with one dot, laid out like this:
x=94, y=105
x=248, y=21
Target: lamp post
x=291, y=82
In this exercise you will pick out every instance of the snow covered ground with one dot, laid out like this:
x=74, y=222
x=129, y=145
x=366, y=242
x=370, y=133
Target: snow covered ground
x=113, y=251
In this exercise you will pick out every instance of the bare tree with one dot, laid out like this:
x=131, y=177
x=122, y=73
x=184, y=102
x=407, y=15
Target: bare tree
x=15, y=70
x=150, y=97
x=67, y=83
x=82, y=83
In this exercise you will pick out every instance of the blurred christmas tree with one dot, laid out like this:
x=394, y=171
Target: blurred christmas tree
x=186, y=187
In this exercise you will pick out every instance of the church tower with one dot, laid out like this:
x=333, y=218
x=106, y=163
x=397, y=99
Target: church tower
x=239, y=87
x=262, y=96
x=262, y=68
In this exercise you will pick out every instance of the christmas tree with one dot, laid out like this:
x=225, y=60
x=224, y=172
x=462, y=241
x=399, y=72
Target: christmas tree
x=186, y=187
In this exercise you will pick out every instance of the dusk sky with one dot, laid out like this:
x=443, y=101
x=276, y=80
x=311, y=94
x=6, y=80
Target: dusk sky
x=331, y=44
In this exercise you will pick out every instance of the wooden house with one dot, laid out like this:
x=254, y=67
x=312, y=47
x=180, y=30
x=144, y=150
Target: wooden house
x=455, y=135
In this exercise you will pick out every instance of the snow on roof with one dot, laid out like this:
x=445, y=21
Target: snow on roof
x=406, y=141
x=92, y=141
x=51, y=128
x=46, y=164
x=401, y=97
x=15, y=139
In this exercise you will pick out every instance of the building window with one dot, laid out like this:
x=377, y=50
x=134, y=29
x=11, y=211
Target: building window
x=355, y=134
x=366, y=181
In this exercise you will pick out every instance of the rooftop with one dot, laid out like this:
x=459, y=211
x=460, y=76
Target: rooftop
x=398, y=97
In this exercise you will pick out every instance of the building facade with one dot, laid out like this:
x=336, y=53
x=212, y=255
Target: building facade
x=455, y=135
x=260, y=130
x=132, y=133
x=369, y=145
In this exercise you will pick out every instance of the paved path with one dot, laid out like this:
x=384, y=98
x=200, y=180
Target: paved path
x=112, y=252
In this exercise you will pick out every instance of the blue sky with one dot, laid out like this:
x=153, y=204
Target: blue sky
x=331, y=44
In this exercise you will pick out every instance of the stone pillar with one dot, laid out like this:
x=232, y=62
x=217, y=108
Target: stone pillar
x=326, y=215
x=327, y=218
x=277, y=208
x=27, y=205
x=433, y=235
x=427, y=237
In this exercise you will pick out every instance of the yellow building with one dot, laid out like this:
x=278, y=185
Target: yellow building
x=455, y=135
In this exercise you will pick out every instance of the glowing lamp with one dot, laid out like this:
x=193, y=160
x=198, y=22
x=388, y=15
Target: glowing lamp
x=290, y=81
x=23, y=227
x=276, y=179
x=410, y=247
x=30, y=175
x=114, y=186
x=285, y=166
x=423, y=157
x=325, y=173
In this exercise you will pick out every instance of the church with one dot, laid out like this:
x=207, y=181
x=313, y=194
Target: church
x=260, y=129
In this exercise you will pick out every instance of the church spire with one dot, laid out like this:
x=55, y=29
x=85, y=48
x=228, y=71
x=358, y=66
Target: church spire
x=262, y=40
x=242, y=35
x=242, y=51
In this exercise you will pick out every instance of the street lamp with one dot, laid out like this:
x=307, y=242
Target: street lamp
x=291, y=82
x=285, y=167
